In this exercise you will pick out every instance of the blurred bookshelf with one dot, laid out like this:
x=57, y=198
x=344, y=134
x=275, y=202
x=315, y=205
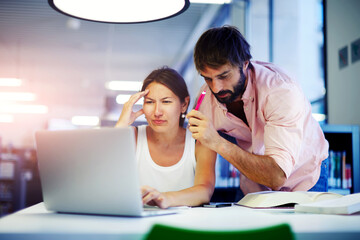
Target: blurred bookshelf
x=19, y=180
x=227, y=186
x=344, y=158
x=344, y=165
x=9, y=183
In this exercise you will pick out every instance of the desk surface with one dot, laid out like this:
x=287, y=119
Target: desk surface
x=37, y=223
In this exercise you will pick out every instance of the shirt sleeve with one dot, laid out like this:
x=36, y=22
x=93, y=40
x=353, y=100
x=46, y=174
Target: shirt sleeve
x=284, y=112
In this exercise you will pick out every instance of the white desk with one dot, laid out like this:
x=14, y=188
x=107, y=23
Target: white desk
x=37, y=223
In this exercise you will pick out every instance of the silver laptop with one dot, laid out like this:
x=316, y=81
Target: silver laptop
x=91, y=171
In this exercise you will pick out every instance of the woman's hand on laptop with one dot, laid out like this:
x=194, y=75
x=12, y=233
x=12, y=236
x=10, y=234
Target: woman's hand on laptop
x=153, y=197
x=127, y=116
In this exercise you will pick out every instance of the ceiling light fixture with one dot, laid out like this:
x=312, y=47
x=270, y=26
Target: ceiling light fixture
x=85, y=120
x=19, y=108
x=319, y=117
x=123, y=98
x=120, y=11
x=124, y=85
x=17, y=96
x=211, y=1
x=10, y=82
x=6, y=118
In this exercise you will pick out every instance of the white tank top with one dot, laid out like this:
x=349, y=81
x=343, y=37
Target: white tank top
x=165, y=179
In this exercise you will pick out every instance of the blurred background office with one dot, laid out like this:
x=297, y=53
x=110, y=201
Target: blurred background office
x=58, y=72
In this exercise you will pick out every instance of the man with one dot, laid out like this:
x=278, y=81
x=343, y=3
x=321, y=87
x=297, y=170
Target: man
x=279, y=145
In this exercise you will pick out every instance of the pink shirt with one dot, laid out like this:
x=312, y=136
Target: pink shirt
x=280, y=126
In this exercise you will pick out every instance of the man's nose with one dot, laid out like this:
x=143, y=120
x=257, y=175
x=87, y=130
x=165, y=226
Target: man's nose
x=216, y=86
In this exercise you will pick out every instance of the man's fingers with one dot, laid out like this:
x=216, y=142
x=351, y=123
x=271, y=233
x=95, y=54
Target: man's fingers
x=195, y=125
x=194, y=121
x=195, y=114
x=195, y=135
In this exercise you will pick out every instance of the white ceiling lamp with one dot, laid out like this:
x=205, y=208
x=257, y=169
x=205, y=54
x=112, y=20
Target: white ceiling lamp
x=85, y=120
x=124, y=85
x=211, y=1
x=17, y=96
x=319, y=117
x=19, y=108
x=120, y=11
x=123, y=98
x=10, y=82
x=6, y=118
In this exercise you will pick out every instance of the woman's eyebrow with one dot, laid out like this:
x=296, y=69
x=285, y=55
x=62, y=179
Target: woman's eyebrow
x=146, y=97
x=166, y=98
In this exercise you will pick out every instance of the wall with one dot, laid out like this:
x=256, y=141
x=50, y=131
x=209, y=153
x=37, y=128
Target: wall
x=297, y=40
x=343, y=84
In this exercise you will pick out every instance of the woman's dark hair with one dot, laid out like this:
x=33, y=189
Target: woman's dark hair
x=172, y=80
x=219, y=46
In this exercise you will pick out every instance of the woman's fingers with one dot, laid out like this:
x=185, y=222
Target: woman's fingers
x=137, y=96
x=150, y=196
x=153, y=197
x=139, y=113
x=127, y=116
x=146, y=189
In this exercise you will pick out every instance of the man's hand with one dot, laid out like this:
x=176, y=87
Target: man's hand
x=261, y=169
x=153, y=197
x=202, y=129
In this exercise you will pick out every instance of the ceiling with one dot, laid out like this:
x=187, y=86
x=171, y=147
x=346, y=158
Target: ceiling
x=66, y=61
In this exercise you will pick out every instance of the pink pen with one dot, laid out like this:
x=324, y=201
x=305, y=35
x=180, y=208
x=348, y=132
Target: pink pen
x=201, y=97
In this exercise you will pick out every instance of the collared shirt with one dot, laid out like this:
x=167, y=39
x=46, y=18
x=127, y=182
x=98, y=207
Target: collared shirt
x=280, y=125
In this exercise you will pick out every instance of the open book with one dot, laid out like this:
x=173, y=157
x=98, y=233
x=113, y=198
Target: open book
x=268, y=199
x=348, y=204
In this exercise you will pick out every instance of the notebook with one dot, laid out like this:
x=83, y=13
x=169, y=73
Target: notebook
x=91, y=171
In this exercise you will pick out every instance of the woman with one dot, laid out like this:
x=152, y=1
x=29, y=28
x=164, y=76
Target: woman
x=173, y=169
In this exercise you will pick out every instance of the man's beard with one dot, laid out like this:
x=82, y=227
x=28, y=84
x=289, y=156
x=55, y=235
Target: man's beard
x=239, y=89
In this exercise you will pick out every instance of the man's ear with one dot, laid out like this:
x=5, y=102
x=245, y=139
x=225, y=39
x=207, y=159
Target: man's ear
x=185, y=104
x=245, y=65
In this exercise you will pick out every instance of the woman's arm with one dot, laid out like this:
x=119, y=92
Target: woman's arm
x=198, y=194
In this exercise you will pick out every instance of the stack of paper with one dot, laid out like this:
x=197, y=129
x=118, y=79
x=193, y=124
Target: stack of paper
x=348, y=204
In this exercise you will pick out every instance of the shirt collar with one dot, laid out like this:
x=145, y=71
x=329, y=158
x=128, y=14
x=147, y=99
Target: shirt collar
x=249, y=88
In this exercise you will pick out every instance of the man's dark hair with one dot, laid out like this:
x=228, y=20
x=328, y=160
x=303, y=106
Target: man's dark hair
x=219, y=46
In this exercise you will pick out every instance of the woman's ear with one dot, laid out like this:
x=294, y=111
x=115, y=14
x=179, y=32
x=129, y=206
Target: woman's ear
x=185, y=104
